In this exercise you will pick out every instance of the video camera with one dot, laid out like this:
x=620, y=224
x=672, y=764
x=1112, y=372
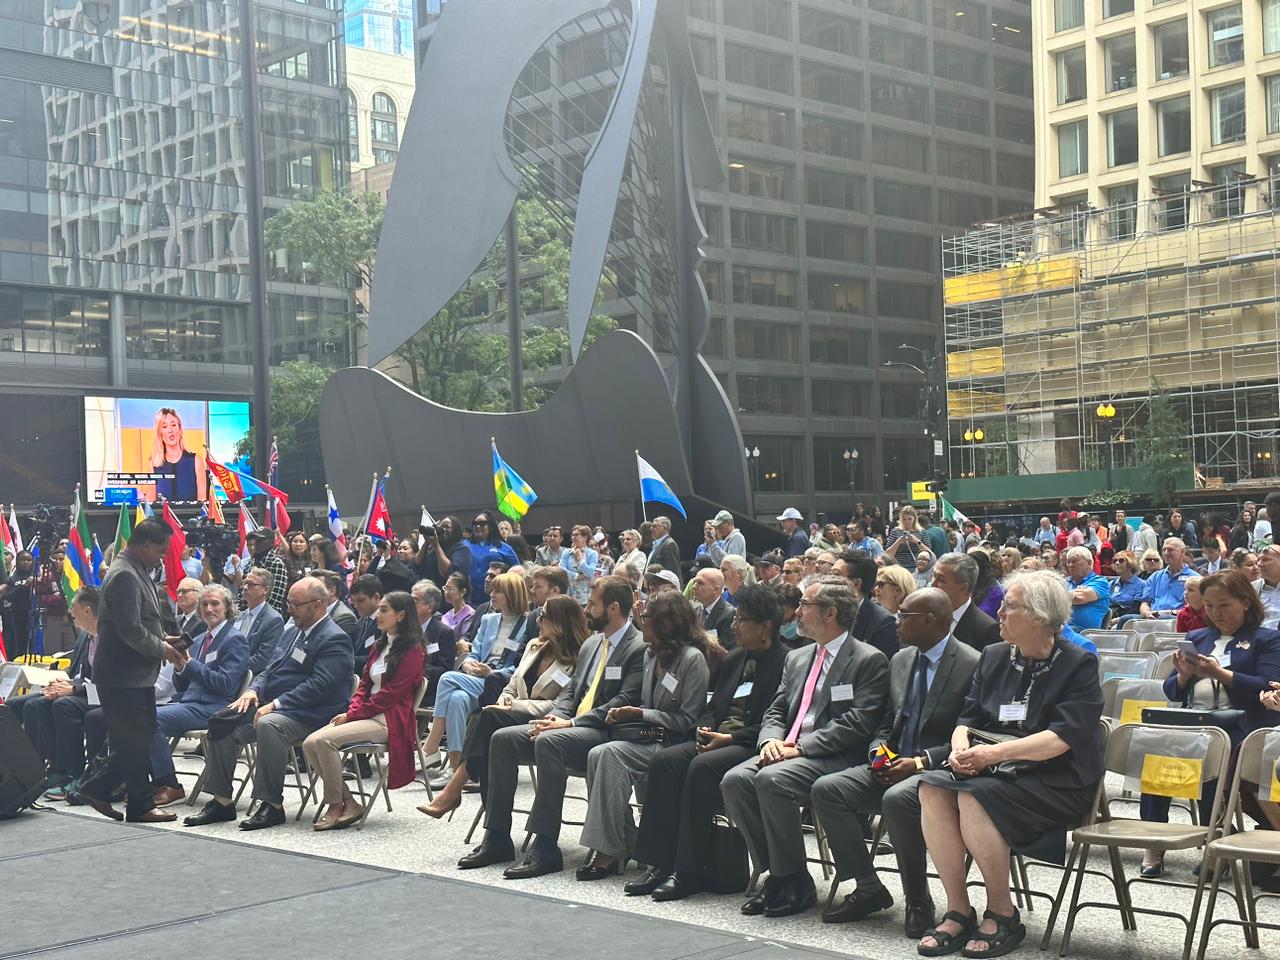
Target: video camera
x=218, y=540
x=48, y=523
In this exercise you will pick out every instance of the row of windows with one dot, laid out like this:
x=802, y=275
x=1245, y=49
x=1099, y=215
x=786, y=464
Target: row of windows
x=384, y=127
x=832, y=293
x=784, y=396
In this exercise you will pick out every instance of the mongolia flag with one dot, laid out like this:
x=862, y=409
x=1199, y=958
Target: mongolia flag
x=515, y=496
x=379, y=517
x=77, y=565
x=335, y=523
x=173, y=571
x=228, y=479
x=653, y=489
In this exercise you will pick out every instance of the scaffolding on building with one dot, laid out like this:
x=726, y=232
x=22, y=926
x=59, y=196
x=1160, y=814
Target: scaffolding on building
x=1050, y=317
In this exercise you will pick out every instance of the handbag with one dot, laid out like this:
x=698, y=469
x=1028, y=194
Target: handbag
x=728, y=871
x=1226, y=718
x=1006, y=769
x=640, y=732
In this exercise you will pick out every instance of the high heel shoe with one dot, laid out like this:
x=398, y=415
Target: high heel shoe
x=432, y=809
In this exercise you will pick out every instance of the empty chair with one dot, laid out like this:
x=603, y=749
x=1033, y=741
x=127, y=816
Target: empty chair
x=1113, y=640
x=1123, y=699
x=1126, y=666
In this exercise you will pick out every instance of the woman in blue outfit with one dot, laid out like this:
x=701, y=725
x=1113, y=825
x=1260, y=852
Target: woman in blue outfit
x=1236, y=661
x=486, y=546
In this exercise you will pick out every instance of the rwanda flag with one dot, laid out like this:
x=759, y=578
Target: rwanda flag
x=515, y=497
x=77, y=565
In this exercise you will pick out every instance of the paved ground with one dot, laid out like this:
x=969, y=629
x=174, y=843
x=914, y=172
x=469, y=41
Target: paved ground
x=406, y=842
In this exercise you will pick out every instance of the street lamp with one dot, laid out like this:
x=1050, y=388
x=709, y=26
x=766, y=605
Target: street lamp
x=931, y=393
x=753, y=461
x=851, y=464
x=974, y=436
x=1106, y=413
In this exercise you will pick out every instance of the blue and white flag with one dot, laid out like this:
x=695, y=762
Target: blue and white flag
x=653, y=489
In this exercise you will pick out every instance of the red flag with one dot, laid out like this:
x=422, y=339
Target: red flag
x=214, y=509
x=173, y=571
x=379, y=517
x=247, y=523
x=229, y=480
x=283, y=523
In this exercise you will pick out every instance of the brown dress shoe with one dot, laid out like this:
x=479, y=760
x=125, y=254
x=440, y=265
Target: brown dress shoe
x=154, y=816
x=104, y=808
x=167, y=795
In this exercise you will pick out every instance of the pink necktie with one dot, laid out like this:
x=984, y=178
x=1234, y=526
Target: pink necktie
x=809, y=685
x=204, y=647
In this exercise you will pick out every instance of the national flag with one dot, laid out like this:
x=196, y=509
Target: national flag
x=247, y=525
x=250, y=486
x=273, y=464
x=77, y=566
x=213, y=509
x=653, y=489
x=6, y=545
x=4, y=653
x=949, y=511
x=336, y=533
x=379, y=517
x=124, y=530
x=173, y=569
x=95, y=556
x=280, y=521
x=15, y=530
x=515, y=496
x=228, y=479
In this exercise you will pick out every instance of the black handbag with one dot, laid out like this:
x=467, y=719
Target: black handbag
x=1006, y=769
x=640, y=732
x=729, y=870
x=1227, y=718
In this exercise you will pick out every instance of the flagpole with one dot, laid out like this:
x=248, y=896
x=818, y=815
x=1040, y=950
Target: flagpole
x=364, y=522
x=644, y=509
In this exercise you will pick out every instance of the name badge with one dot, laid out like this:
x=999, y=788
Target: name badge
x=613, y=673
x=299, y=655
x=744, y=690
x=378, y=669
x=212, y=658
x=1224, y=659
x=842, y=691
x=670, y=682
x=369, y=643
x=562, y=678
x=91, y=692
x=1013, y=712
x=433, y=648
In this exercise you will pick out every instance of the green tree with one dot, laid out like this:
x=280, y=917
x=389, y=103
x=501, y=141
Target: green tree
x=1162, y=447
x=296, y=388
x=335, y=235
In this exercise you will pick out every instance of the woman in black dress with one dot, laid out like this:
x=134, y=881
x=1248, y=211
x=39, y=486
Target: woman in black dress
x=185, y=474
x=1043, y=692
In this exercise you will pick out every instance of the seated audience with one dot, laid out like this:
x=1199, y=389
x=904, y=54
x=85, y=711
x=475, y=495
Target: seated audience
x=872, y=624
x=895, y=583
x=956, y=575
x=381, y=711
x=1191, y=616
x=821, y=720
x=259, y=621
x=1090, y=593
x=1040, y=697
x=929, y=679
x=987, y=592
x=737, y=573
x=1268, y=584
x=673, y=692
x=442, y=643
x=1127, y=588
x=458, y=617
x=715, y=615
x=1162, y=598
x=365, y=595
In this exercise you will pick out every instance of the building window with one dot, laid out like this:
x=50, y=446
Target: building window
x=766, y=340
x=1015, y=125
x=908, y=201
x=1227, y=107
x=960, y=16
x=840, y=398
x=962, y=209
x=833, y=138
x=712, y=222
x=1270, y=26
x=704, y=55
x=1015, y=171
x=1173, y=126
x=1073, y=148
x=837, y=294
x=1122, y=211
x=826, y=188
x=762, y=231
x=899, y=150
x=821, y=29
x=760, y=124
x=833, y=466
x=777, y=470
x=907, y=251
x=1226, y=36
x=835, y=241
x=1121, y=58
x=1174, y=201
x=385, y=128
x=830, y=85
x=764, y=287
x=759, y=178
x=1172, y=53
x=1228, y=190
x=912, y=301
x=1114, y=8
x=959, y=64
x=353, y=125
x=1122, y=137
x=771, y=395
x=964, y=163
x=1273, y=104
x=757, y=68
x=712, y=280
x=1071, y=75
x=895, y=49
x=906, y=101
x=1012, y=78
x=770, y=17
x=839, y=345
x=1067, y=14
x=967, y=114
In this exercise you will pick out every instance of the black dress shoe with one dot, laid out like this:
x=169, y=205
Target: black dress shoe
x=591, y=870
x=267, y=815
x=652, y=879
x=487, y=855
x=676, y=887
x=798, y=895
x=858, y=906
x=534, y=866
x=921, y=918
x=767, y=896
x=211, y=812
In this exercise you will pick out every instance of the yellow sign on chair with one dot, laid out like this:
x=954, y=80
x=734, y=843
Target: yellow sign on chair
x=1171, y=776
x=1131, y=710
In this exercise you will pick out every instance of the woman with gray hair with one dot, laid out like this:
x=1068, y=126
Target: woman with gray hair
x=1036, y=701
x=631, y=559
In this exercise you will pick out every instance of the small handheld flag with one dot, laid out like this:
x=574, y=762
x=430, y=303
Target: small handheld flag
x=379, y=517
x=949, y=511
x=653, y=489
x=336, y=533
x=426, y=520
x=515, y=496
x=15, y=530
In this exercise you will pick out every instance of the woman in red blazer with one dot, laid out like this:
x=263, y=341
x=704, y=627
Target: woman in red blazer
x=380, y=712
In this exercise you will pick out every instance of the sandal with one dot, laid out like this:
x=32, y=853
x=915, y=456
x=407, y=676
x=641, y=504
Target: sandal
x=1006, y=938
x=945, y=943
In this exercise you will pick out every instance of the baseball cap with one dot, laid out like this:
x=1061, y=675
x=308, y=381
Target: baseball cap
x=774, y=557
x=724, y=516
x=791, y=513
x=666, y=575
x=262, y=533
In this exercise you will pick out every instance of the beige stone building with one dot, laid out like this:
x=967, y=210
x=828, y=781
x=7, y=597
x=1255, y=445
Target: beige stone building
x=1150, y=264
x=379, y=91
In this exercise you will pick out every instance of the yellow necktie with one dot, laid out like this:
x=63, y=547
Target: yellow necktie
x=589, y=700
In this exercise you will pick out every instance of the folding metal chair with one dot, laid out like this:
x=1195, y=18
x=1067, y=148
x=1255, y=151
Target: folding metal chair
x=1114, y=665
x=1113, y=641
x=202, y=737
x=1170, y=761
x=1123, y=698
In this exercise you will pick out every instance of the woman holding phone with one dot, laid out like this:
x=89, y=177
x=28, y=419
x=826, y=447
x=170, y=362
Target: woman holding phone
x=1229, y=663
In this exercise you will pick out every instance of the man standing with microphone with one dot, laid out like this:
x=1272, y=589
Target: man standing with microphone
x=131, y=645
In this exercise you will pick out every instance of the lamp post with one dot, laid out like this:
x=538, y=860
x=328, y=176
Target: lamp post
x=974, y=436
x=1106, y=413
x=753, y=461
x=851, y=464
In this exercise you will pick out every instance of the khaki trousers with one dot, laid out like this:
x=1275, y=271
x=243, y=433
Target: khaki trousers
x=321, y=749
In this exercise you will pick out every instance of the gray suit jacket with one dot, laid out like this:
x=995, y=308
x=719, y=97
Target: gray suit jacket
x=677, y=710
x=942, y=707
x=130, y=628
x=841, y=727
x=627, y=655
x=264, y=637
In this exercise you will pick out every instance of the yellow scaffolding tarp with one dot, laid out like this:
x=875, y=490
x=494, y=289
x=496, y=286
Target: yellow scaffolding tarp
x=984, y=362
x=965, y=403
x=1009, y=281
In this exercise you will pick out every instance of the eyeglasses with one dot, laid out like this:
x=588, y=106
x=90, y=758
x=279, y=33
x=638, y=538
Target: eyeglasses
x=826, y=563
x=898, y=617
x=884, y=583
x=740, y=620
x=298, y=606
x=815, y=603
x=1006, y=605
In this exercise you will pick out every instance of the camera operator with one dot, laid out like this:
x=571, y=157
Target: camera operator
x=262, y=546
x=15, y=603
x=59, y=634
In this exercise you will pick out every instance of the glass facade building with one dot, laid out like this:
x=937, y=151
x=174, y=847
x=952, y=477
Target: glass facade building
x=384, y=26
x=123, y=230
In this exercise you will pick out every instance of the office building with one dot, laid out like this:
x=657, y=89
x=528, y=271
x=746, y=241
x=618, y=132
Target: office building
x=1151, y=266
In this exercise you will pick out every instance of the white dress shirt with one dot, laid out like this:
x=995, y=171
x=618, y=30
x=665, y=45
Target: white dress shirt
x=833, y=650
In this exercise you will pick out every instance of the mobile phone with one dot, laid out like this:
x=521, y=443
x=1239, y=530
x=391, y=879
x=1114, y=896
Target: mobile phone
x=1187, y=648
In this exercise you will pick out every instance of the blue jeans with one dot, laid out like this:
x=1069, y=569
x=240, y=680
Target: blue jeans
x=457, y=697
x=174, y=719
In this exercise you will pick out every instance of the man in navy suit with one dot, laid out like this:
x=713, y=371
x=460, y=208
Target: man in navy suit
x=209, y=673
x=259, y=621
x=303, y=688
x=873, y=624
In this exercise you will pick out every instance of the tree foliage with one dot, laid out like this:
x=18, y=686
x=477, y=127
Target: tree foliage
x=296, y=389
x=335, y=234
x=1162, y=447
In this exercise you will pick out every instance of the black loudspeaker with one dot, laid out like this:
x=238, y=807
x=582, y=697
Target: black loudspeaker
x=22, y=778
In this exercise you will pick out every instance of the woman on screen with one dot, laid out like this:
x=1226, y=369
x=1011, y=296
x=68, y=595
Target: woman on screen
x=185, y=473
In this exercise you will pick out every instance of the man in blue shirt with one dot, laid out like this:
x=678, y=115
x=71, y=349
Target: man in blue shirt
x=1164, y=594
x=1047, y=532
x=1090, y=593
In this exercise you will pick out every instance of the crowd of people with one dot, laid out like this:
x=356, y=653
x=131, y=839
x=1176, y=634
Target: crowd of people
x=940, y=678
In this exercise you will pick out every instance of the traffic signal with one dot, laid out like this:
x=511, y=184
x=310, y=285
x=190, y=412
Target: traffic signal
x=939, y=483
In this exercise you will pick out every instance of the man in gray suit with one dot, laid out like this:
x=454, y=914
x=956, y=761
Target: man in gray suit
x=259, y=622
x=928, y=682
x=827, y=707
x=610, y=668
x=665, y=552
x=131, y=644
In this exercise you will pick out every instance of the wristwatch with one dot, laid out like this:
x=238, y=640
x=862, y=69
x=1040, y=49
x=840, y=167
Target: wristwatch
x=919, y=765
